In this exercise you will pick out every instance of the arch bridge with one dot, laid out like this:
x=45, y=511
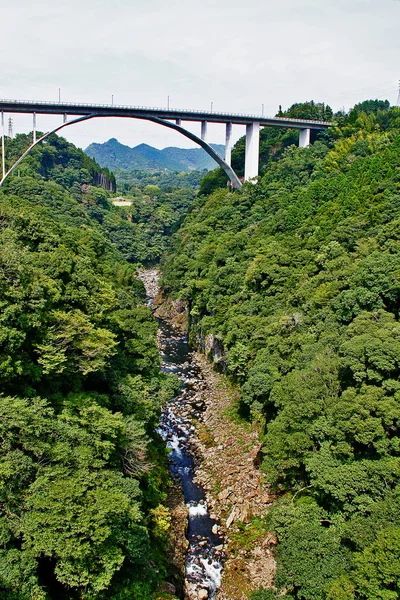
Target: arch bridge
x=170, y=117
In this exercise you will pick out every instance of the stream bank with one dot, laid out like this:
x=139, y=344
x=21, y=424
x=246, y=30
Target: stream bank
x=234, y=486
x=231, y=495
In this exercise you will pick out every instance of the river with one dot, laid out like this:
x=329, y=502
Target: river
x=204, y=560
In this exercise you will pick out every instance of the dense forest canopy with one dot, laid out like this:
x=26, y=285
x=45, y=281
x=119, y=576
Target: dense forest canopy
x=135, y=180
x=62, y=177
x=82, y=474
x=298, y=277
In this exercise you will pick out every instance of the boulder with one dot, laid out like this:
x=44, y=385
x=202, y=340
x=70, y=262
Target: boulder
x=224, y=494
x=231, y=518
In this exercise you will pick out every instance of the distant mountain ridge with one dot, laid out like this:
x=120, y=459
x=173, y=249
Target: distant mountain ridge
x=114, y=155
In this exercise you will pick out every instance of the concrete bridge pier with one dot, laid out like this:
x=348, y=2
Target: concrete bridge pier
x=252, y=150
x=172, y=118
x=304, y=138
x=228, y=143
x=34, y=128
x=204, y=131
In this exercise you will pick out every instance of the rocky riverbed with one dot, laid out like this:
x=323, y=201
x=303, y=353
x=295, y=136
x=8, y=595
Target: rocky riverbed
x=221, y=455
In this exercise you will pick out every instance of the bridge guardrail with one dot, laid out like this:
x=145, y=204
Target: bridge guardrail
x=163, y=109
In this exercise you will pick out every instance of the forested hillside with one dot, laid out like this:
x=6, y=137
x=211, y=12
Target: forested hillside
x=82, y=474
x=128, y=181
x=60, y=176
x=298, y=280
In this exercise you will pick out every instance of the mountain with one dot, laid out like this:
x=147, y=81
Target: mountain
x=114, y=155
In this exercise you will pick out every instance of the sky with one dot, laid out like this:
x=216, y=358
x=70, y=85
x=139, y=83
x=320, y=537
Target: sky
x=236, y=54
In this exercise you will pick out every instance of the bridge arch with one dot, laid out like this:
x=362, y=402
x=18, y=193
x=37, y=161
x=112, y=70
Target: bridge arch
x=235, y=181
x=36, y=142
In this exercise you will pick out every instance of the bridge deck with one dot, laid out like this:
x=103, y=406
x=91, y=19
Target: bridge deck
x=143, y=112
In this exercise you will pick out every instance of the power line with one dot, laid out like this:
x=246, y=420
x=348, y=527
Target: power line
x=378, y=92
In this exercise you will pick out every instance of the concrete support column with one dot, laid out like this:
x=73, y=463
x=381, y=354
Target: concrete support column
x=252, y=150
x=65, y=118
x=179, y=122
x=34, y=127
x=304, y=138
x=228, y=143
x=3, y=158
x=204, y=131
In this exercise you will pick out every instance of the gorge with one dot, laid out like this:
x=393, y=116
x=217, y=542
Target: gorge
x=276, y=399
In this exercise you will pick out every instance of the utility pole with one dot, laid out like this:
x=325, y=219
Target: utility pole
x=167, y=102
x=3, y=157
x=112, y=99
x=212, y=106
x=59, y=95
x=262, y=109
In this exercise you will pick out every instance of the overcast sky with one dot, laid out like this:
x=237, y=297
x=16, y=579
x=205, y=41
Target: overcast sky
x=237, y=54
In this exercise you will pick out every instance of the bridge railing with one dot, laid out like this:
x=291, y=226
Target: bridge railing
x=163, y=109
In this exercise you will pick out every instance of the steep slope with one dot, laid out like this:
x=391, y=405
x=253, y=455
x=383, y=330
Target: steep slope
x=82, y=474
x=295, y=285
x=114, y=155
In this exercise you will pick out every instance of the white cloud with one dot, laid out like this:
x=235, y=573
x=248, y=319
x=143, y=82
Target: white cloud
x=235, y=54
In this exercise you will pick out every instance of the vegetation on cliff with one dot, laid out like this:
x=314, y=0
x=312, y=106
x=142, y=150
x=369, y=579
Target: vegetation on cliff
x=82, y=474
x=298, y=280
